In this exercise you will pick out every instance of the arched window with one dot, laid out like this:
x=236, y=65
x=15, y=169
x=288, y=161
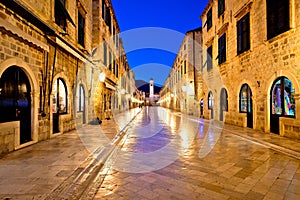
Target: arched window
x=60, y=100
x=81, y=98
x=245, y=99
x=282, y=97
x=224, y=100
x=210, y=100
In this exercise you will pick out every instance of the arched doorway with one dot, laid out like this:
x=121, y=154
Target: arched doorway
x=223, y=103
x=211, y=104
x=15, y=100
x=282, y=102
x=81, y=102
x=246, y=104
x=59, y=103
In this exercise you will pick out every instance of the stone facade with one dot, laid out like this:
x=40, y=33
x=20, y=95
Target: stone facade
x=258, y=64
x=49, y=49
x=185, y=88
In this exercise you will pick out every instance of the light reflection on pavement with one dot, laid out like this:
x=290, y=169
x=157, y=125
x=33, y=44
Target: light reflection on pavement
x=169, y=155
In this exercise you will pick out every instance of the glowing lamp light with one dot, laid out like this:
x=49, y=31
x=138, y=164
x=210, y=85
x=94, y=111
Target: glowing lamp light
x=102, y=77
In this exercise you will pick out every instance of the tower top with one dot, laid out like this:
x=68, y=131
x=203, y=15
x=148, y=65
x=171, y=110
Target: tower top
x=151, y=79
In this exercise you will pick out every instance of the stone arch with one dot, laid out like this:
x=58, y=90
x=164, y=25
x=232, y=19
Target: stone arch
x=34, y=95
x=269, y=83
x=68, y=115
x=253, y=89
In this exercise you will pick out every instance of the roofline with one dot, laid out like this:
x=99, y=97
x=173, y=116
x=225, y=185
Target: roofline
x=206, y=8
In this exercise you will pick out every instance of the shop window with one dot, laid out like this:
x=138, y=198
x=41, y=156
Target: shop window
x=243, y=34
x=221, y=7
x=81, y=25
x=224, y=100
x=210, y=100
x=61, y=14
x=282, y=98
x=209, y=58
x=222, y=49
x=81, y=99
x=60, y=97
x=209, y=19
x=245, y=99
x=278, y=17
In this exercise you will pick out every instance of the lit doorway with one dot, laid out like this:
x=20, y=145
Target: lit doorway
x=15, y=100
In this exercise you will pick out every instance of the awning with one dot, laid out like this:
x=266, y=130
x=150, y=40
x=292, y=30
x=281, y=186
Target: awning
x=107, y=85
x=70, y=50
x=9, y=27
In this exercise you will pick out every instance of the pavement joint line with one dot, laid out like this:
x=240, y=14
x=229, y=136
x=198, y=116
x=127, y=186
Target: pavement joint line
x=274, y=147
x=93, y=187
x=88, y=171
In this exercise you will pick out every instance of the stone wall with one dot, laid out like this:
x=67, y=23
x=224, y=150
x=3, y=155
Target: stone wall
x=258, y=67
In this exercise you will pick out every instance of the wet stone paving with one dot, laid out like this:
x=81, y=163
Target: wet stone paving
x=169, y=155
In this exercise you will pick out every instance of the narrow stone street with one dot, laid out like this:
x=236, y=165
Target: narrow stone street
x=168, y=155
x=155, y=153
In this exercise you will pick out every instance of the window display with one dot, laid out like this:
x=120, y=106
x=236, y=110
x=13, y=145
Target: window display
x=282, y=94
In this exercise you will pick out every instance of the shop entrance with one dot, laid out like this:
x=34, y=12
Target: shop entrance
x=246, y=104
x=59, y=103
x=15, y=100
x=223, y=103
x=282, y=102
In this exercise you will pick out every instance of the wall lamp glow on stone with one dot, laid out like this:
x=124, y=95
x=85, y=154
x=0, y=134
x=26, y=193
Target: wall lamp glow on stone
x=102, y=77
x=122, y=91
x=128, y=96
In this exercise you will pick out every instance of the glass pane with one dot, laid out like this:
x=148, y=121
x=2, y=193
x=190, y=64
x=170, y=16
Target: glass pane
x=62, y=97
x=244, y=98
x=289, y=100
x=276, y=98
x=249, y=100
x=81, y=106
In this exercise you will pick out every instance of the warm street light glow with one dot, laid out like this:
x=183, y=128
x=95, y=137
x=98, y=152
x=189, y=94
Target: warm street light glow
x=102, y=77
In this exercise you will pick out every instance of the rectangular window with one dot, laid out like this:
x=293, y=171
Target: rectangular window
x=109, y=60
x=117, y=70
x=243, y=34
x=81, y=24
x=221, y=7
x=104, y=53
x=209, y=58
x=222, y=49
x=278, y=17
x=108, y=18
x=61, y=14
x=209, y=19
x=184, y=66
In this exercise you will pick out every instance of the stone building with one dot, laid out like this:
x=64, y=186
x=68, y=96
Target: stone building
x=185, y=87
x=49, y=74
x=251, y=53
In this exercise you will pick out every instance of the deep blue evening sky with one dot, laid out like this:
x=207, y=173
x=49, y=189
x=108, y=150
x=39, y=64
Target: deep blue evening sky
x=151, y=52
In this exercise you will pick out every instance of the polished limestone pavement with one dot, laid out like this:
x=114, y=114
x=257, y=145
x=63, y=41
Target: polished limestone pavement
x=160, y=155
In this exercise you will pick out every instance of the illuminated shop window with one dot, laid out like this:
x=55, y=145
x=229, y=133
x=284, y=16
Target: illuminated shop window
x=282, y=97
x=60, y=97
x=210, y=100
x=245, y=99
x=81, y=99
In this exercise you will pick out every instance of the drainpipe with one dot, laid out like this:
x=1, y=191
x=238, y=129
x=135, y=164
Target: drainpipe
x=51, y=81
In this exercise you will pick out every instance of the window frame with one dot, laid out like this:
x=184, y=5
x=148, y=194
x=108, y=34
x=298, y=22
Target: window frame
x=221, y=7
x=243, y=34
x=81, y=29
x=222, y=49
x=278, y=17
x=209, y=19
x=209, y=59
